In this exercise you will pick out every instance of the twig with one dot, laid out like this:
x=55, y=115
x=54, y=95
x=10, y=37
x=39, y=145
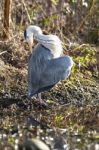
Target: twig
x=29, y=18
x=3, y=52
x=86, y=17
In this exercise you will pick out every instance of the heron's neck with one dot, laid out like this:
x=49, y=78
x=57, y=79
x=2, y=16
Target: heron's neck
x=38, y=36
x=51, y=42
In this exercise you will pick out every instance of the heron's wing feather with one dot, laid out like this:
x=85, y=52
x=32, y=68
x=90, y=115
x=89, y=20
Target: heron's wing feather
x=36, y=65
x=56, y=70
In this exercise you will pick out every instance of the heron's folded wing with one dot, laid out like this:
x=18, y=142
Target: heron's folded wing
x=56, y=70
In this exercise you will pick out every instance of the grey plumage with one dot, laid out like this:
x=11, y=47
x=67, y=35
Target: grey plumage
x=46, y=66
x=44, y=71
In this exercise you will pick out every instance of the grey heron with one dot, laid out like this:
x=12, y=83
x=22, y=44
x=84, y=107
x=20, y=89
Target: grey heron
x=47, y=65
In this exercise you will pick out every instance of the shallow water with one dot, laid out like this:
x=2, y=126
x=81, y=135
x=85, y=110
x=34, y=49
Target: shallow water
x=56, y=139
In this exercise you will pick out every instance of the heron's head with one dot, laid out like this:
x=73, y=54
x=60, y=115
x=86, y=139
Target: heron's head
x=30, y=33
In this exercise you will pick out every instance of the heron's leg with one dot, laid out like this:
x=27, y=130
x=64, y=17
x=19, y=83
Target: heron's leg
x=40, y=99
x=39, y=96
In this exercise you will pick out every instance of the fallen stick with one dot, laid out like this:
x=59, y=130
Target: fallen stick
x=3, y=52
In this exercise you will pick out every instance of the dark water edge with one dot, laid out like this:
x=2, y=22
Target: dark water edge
x=58, y=139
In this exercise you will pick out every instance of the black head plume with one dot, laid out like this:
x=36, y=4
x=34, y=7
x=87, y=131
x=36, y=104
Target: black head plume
x=25, y=34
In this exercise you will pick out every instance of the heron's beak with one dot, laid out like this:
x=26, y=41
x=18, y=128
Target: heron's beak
x=30, y=43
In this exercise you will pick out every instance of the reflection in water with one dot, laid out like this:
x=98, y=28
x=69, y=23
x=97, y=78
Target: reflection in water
x=55, y=139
